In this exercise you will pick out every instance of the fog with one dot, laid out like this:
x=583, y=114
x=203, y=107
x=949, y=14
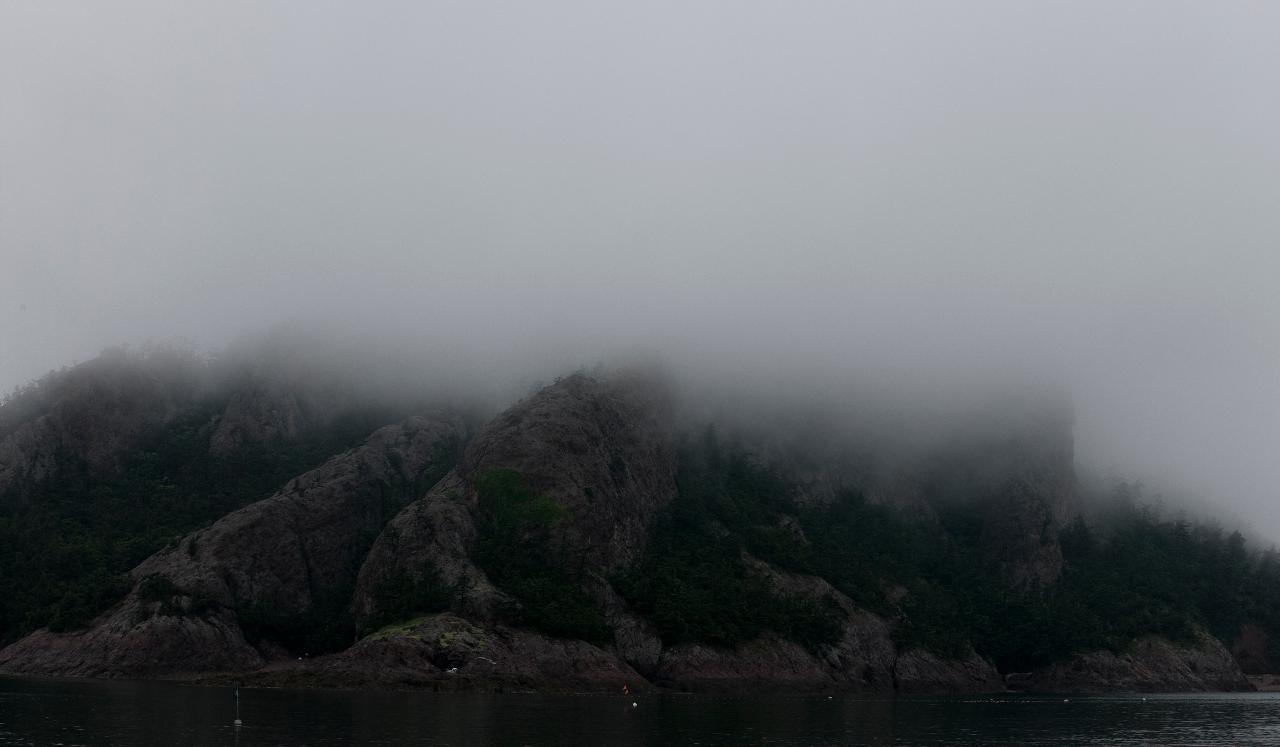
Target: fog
x=783, y=196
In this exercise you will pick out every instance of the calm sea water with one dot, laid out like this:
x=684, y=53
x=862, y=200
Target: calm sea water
x=70, y=712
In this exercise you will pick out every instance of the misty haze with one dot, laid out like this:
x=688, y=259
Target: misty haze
x=849, y=349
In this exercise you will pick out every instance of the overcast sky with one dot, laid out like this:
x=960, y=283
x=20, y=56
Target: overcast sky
x=1085, y=191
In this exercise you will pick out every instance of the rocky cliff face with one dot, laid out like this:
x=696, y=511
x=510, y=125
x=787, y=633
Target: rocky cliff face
x=283, y=560
x=600, y=449
x=1151, y=664
x=308, y=569
x=447, y=652
x=93, y=415
x=257, y=415
x=1020, y=476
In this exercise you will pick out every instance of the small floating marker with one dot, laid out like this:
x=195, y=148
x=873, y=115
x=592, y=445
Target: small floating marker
x=635, y=704
x=1066, y=700
x=237, y=722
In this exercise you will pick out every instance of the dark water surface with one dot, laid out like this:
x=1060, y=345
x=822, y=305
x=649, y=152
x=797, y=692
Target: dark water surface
x=72, y=712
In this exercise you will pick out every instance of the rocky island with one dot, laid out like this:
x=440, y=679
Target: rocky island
x=160, y=520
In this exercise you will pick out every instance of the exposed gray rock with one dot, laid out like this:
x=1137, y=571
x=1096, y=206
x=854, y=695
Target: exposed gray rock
x=134, y=640
x=920, y=671
x=864, y=659
x=767, y=663
x=447, y=652
x=635, y=638
x=311, y=536
x=260, y=414
x=1020, y=475
x=288, y=556
x=600, y=448
x=94, y=414
x=1151, y=664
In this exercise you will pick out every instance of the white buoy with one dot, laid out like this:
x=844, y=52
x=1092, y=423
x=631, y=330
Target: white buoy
x=635, y=704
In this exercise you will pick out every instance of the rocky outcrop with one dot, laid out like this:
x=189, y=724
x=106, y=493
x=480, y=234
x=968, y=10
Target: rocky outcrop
x=1019, y=476
x=1151, y=664
x=448, y=652
x=286, y=558
x=920, y=671
x=864, y=659
x=135, y=640
x=260, y=414
x=1036, y=488
x=599, y=448
x=91, y=417
x=768, y=663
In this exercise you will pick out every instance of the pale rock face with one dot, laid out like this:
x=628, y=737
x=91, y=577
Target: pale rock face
x=448, y=652
x=260, y=415
x=1151, y=664
x=311, y=534
x=602, y=449
x=282, y=554
x=439, y=530
x=920, y=671
x=635, y=639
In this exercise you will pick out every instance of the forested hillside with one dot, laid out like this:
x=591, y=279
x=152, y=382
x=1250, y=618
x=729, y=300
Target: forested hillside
x=158, y=519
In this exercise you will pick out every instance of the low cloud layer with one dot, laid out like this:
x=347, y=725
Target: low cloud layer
x=784, y=195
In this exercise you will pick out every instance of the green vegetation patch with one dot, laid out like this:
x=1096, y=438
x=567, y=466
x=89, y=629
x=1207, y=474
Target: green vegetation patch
x=404, y=596
x=693, y=582
x=521, y=546
x=65, y=547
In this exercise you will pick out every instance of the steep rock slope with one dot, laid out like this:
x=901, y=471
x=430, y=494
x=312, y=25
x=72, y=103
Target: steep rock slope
x=863, y=657
x=1151, y=664
x=94, y=415
x=1020, y=477
x=257, y=414
x=600, y=449
x=284, y=564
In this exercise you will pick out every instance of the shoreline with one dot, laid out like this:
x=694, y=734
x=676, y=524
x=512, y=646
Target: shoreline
x=1263, y=684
